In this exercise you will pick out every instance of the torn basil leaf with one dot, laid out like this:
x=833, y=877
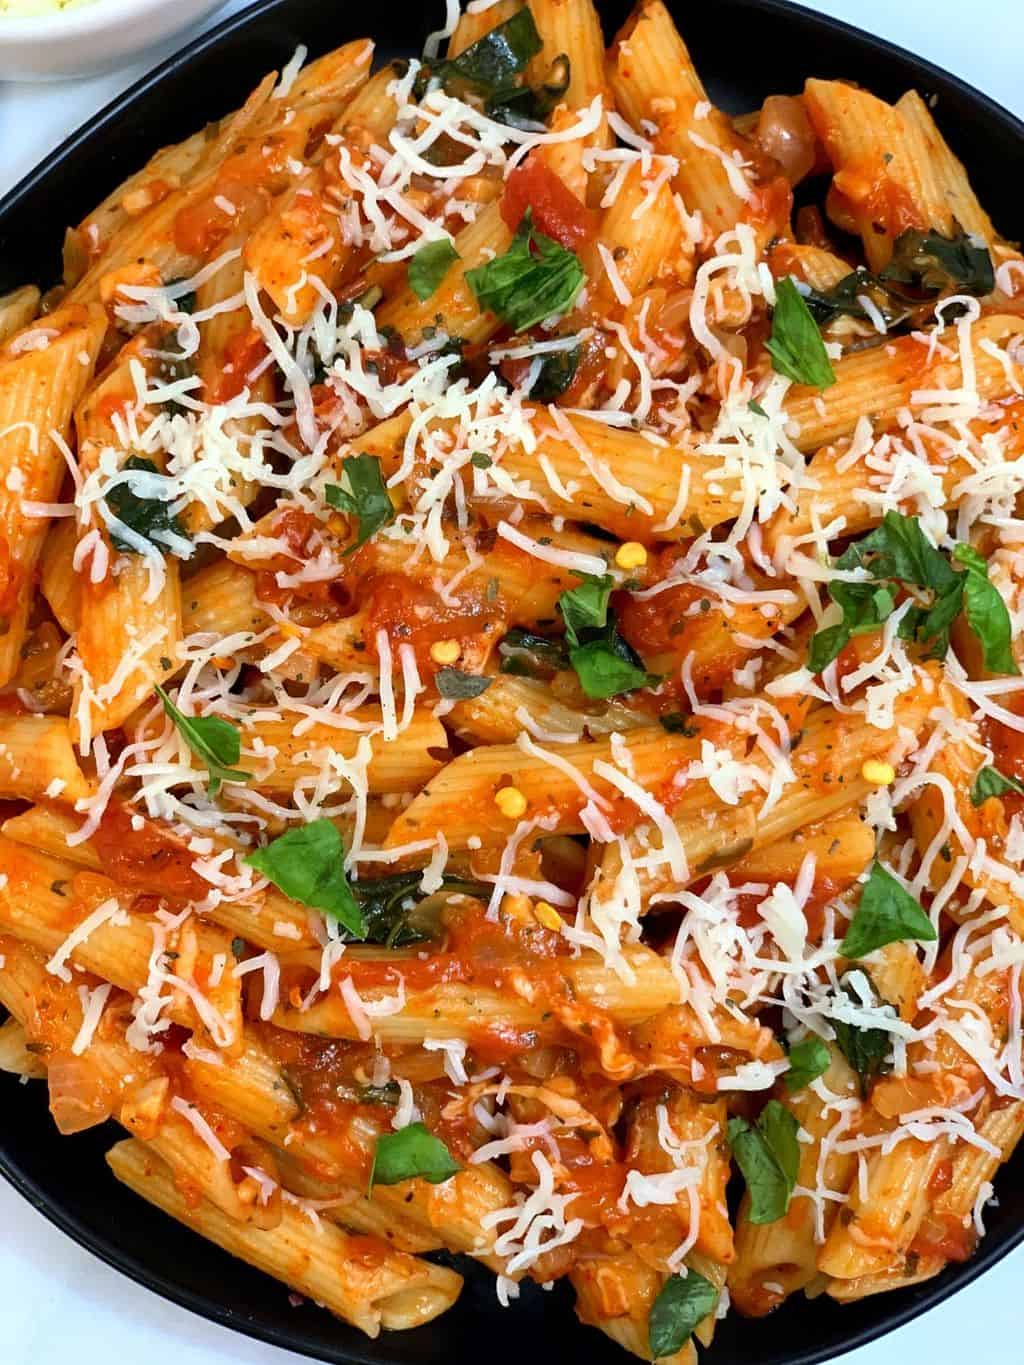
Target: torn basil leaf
x=585, y=606
x=991, y=782
x=607, y=665
x=390, y=906
x=886, y=913
x=526, y=106
x=366, y=497
x=494, y=60
x=412, y=1151
x=150, y=518
x=679, y=1307
x=928, y=264
x=604, y=662
x=986, y=612
x=525, y=654
x=865, y=1048
x=454, y=685
x=557, y=372
x=768, y=1154
x=897, y=551
x=430, y=265
x=533, y=280
x=795, y=345
x=808, y=1059
x=307, y=863
x=215, y=742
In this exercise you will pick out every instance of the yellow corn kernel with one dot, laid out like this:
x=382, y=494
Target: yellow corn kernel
x=445, y=651
x=511, y=802
x=877, y=773
x=547, y=915
x=632, y=555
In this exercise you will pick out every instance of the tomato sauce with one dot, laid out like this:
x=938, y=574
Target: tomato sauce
x=149, y=858
x=411, y=612
x=1007, y=747
x=243, y=352
x=873, y=194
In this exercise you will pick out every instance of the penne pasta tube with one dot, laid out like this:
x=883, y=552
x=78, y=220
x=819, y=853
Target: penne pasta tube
x=615, y=1293
x=16, y=1053
x=774, y=1260
x=654, y=82
x=249, y=155
x=58, y=581
x=17, y=310
x=37, y=760
x=902, y=374
x=360, y=1279
x=44, y=369
x=130, y=614
x=282, y=758
x=475, y=1010
x=85, y=921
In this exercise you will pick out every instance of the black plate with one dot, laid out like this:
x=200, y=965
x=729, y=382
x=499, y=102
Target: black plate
x=778, y=45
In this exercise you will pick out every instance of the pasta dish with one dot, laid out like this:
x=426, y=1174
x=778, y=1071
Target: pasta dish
x=511, y=718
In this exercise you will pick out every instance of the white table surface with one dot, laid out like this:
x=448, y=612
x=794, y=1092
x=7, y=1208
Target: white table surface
x=57, y=1303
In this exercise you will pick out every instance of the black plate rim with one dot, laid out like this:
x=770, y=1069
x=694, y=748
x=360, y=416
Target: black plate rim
x=784, y=9
x=105, y=1249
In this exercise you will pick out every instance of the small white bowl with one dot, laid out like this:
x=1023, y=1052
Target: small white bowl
x=101, y=34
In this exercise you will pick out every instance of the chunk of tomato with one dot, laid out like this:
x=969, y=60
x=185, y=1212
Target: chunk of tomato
x=556, y=210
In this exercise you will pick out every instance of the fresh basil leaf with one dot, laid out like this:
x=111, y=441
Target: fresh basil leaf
x=412, y=1151
x=150, y=518
x=585, y=607
x=991, y=782
x=430, y=265
x=795, y=345
x=557, y=371
x=390, y=906
x=368, y=500
x=865, y=606
x=768, y=1154
x=479, y=460
x=679, y=1307
x=986, y=612
x=932, y=625
x=526, y=654
x=534, y=279
x=215, y=742
x=454, y=685
x=501, y=54
x=886, y=913
x=308, y=864
x=897, y=551
x=606, y=665
x=756, y=408
x=929, y=264
x=604, y=662
x=898, y=548
x=808, y=1060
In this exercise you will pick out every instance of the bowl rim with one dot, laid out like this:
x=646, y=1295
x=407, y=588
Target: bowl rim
x=105, y=1246
x=89, y=19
